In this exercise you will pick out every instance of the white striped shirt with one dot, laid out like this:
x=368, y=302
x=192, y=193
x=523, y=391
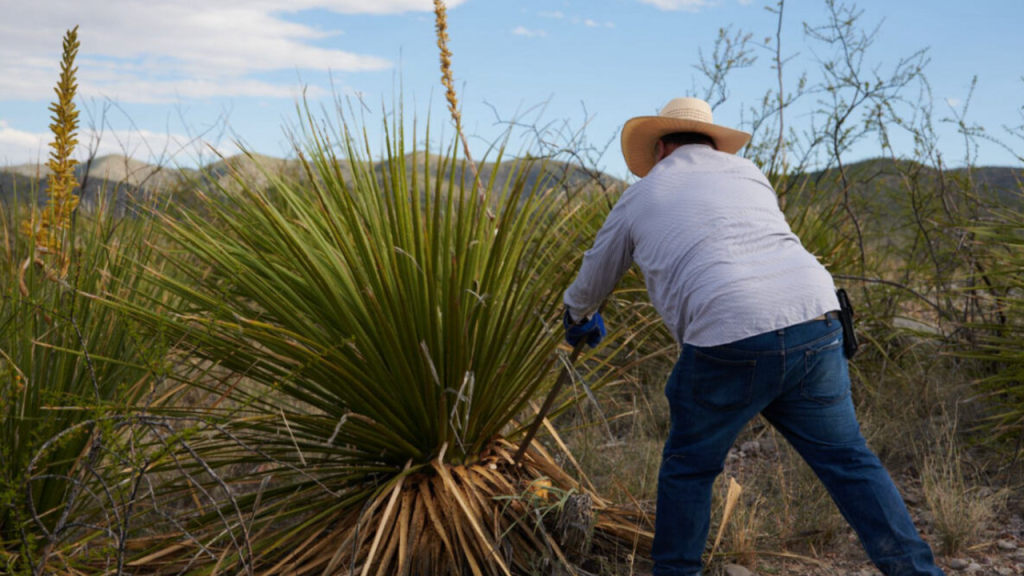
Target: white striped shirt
x=720, y=261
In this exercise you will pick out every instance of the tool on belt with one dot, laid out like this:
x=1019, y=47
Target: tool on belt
x=846, y=320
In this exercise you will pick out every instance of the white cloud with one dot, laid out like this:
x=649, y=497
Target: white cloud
x=745, y=2
x=685, y=5
x=130, y=89
x=158, y=49
x=953, y=102
x=522, y=31
x=573, y=19
x=19, y=147
x=369, y=6
x=22, y=147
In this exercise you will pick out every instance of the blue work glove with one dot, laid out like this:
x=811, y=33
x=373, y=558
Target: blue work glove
x=592, y=331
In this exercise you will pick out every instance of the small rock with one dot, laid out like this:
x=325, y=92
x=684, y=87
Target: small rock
x=1006, y=544
x=1019, y=553
x=973, y=567
x=1004, y=571
x=737, y=570
x=1016, y=523
x=750, y=446
x=958, y=563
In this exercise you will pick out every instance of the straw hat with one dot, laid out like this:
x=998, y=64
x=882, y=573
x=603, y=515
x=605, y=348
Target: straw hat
x=640, y=134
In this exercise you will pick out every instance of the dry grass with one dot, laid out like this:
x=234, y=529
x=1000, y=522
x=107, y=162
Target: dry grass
x=900, y=391
x=961, y=509
x=806, y=519
x=623, y=457
x=745, y=532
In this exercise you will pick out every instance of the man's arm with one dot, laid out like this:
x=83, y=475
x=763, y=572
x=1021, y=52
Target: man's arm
x=603, y=265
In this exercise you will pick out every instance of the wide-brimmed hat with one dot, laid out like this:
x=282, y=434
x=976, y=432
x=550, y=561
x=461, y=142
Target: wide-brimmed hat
x=640, y=134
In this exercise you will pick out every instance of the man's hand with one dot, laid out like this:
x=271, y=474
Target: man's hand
x=591, y=330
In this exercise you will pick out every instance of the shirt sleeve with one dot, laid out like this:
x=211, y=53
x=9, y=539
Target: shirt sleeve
x=603, y=265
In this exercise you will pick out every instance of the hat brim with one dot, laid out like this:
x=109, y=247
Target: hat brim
x=640, y=135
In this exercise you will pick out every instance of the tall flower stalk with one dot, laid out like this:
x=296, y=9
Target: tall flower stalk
x=48, y=226
x=441, y=26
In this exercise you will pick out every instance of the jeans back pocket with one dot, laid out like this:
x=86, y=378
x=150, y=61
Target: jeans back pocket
x=826, y=380
x=721, y=383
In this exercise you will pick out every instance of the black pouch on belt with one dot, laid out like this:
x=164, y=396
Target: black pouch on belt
x=846, y=319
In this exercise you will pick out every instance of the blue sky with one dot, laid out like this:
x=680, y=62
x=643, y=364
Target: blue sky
x=170, y=71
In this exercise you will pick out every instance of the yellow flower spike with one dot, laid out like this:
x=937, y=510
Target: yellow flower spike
x=48, y=226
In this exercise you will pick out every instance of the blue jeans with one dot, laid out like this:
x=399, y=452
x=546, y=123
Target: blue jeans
x=797, y=378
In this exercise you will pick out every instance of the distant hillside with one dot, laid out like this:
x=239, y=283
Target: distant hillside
x=883, y=174
x=117, y=178
x=881, y=194
x=113, y=178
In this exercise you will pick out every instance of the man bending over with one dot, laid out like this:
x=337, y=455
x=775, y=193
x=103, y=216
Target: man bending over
x=756, y=315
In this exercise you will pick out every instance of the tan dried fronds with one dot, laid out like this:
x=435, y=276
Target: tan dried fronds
x=731, y=498
x=442, y=518
x=48, y=225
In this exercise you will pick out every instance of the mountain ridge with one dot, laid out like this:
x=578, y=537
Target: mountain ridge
x=123, y=176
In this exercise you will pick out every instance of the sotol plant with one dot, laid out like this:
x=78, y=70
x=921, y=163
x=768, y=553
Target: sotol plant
x=391, y=326
x=390, y=332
